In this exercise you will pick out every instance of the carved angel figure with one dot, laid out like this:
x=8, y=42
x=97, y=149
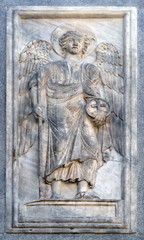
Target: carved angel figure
x=78, y=104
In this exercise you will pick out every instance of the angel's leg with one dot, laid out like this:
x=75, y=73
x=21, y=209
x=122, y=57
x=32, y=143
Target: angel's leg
x=82, y=189
x=56, y=189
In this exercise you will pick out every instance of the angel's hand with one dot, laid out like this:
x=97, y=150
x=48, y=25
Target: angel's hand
x=98, y=110
x=99, y=120
x=106, y=154
x=38, y=112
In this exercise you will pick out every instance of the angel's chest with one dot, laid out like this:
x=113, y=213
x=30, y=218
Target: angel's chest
x=65, y=75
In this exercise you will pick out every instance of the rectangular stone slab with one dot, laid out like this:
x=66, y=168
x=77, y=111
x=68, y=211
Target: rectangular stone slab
x=66, y=210
x=116, y=211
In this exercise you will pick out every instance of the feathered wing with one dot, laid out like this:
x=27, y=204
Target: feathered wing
x=110, y=62
x=32, y=58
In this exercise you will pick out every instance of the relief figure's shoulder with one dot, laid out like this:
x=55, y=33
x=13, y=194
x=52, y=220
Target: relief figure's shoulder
x=90, y=70
x=49, y=68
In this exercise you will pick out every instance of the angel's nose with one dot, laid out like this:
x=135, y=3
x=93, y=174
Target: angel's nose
x=75, y=41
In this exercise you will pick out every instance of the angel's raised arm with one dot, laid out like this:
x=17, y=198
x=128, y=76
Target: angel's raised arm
x=91, y=81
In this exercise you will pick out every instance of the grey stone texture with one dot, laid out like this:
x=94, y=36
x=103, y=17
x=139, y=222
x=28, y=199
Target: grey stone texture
x=4, y=5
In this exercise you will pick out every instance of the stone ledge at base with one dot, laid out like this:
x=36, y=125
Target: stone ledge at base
x=74, y=213
x=70, y=216
x=49, y=210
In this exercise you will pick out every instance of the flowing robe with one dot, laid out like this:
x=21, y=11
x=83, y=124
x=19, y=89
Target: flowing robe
x=73, y=151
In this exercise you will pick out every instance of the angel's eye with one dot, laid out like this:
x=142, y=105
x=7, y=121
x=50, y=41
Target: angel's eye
x=70, y=40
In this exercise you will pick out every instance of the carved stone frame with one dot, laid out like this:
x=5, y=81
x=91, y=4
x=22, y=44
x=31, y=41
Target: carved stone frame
x=124, y=220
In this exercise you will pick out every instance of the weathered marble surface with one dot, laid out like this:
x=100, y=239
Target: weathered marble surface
x=4, y=5
x=115, y=211
x=26, y=34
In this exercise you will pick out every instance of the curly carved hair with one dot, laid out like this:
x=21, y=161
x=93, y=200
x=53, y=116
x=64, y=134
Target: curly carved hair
x=67, y=35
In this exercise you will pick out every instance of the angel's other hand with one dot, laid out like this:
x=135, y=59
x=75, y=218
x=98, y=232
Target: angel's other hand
x=106, y=155
x=38, y=112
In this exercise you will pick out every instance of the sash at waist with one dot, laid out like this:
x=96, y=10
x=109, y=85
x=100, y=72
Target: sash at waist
x=58, y=94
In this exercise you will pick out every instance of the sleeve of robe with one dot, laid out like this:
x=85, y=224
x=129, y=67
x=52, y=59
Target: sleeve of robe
x=92, y=83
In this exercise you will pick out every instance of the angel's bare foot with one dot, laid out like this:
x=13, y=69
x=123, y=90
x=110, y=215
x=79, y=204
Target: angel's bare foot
x=82, y=188
x=91, y=195
x=86, y=195
x=80, y=195
x=56, y=196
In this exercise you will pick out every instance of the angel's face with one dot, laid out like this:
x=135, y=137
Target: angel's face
x=75, y=44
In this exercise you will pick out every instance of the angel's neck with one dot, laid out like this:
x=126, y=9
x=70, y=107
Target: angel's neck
x=73, y=57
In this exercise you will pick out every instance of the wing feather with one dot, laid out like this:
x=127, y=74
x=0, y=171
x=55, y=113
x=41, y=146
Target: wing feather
x=35, y=55
x=109, y=60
